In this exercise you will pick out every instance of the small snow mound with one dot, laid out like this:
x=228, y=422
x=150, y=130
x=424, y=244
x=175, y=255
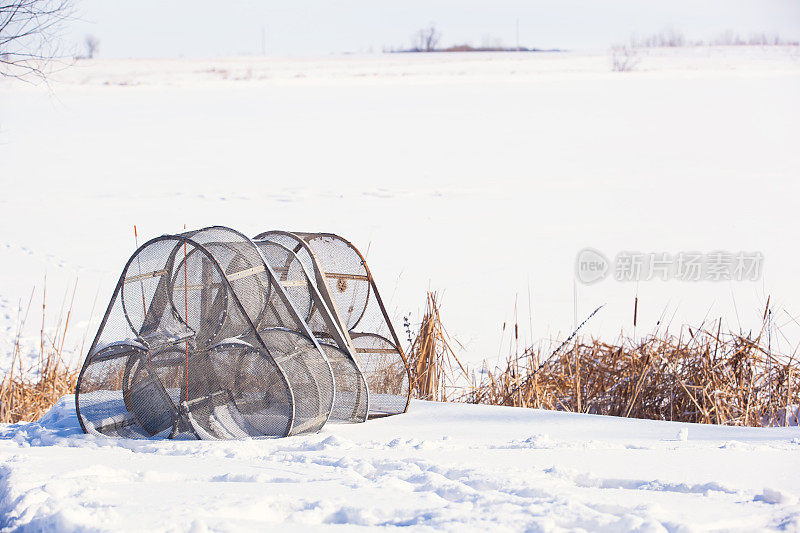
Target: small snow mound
x=734, y=445
x=350, y=516
x=534, y=442
x=62, y=415
x=776, y=496
x=237, y=478
x=407, y=443
x=198, y=526
x=335, y=441
x=683, y=434
x=319, y=443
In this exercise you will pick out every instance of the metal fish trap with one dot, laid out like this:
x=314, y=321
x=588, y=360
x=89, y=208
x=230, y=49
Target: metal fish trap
x=352, y=396
x=210, y=335
x=346, y=284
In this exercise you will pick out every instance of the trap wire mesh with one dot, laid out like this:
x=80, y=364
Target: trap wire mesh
x=346, y=284
x=210, y=335
x=352, y=395
x=200, y=340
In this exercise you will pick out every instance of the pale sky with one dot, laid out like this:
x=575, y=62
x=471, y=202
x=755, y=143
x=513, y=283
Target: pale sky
x=201, y=28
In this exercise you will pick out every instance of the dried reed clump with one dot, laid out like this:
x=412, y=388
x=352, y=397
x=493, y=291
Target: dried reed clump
x=435, y=369
x=703, y=376
x=26, y=394
x=710, y=378
x=26, y=398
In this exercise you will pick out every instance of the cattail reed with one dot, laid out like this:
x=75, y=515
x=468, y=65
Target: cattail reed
x=701, y=375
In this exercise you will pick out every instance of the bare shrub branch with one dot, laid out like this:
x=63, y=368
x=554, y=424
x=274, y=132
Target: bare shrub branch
x=28, y=33
x=623, y=58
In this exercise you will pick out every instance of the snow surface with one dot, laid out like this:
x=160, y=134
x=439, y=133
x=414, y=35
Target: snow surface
x=479, y=175
x=444, y=467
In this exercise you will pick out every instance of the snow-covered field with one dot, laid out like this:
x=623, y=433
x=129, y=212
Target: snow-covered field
x=480, y=175
x=443, y=467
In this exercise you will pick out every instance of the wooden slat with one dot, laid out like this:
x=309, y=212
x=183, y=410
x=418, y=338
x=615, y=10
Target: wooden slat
x=359, y=277
x=146, y=275
x=244, y=273
x=376, y=350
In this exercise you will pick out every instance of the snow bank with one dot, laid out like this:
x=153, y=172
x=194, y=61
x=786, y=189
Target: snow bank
x=450, y=467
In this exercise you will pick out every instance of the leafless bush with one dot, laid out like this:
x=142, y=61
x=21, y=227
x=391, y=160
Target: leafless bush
x=92, y=44
x=28, y=34
x=667, y=38
x=728, y=38
x=731, y=38
x=623, y=58
x=671, y=38
x=426, y=39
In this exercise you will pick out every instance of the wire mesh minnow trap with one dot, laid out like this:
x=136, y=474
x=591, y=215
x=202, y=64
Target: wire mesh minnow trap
x=210, y=335
x=345, y=281
x=352, y=396
x=200, y=340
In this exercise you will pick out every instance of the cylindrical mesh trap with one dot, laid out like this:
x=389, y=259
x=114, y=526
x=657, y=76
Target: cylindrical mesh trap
x=209, y=335
x=346, y=284
x=352, y=393
x=178, y=354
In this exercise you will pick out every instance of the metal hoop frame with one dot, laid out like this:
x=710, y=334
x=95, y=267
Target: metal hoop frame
x=179, y=241
x=304, y=241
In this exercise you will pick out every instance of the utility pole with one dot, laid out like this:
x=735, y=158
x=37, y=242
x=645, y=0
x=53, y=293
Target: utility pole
x=518, y=35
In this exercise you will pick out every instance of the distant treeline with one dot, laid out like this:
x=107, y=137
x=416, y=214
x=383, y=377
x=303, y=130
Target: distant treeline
x=470, y=48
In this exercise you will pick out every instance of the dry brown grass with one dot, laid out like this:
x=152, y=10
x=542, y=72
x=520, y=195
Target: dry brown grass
x=701, y=375
x=27, y=393
x=435, y=369
x=26, y=398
